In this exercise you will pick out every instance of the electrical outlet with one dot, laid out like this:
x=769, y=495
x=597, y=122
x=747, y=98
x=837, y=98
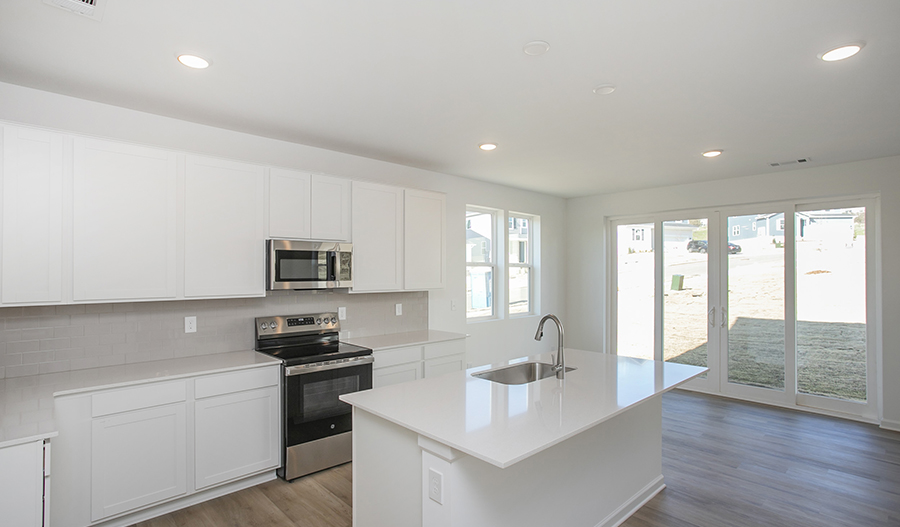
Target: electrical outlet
x=436, y=486
x=453, y=305
x=190, y=324
x=342, y=313
x=398, y=309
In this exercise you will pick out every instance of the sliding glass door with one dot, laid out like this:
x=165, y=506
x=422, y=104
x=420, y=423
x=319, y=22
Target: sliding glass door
x=774, y=300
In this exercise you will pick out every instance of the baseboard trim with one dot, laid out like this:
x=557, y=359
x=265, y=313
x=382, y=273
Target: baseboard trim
x=889, y=424
x=187, y=501
x=624, y=511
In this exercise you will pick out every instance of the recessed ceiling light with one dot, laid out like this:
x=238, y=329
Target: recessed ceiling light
x=487, y=147
x=193, y=61
x=842, y=52
x=712, y=153
x=604, y=89
x=536, y=47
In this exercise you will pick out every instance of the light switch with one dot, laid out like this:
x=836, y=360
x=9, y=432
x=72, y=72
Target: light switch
x=342, y=313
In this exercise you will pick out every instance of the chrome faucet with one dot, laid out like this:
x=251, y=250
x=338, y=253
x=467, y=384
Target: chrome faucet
x=560, y=366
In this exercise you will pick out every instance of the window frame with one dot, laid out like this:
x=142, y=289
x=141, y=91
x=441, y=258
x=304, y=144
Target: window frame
x=494, y=264
x=530, y=242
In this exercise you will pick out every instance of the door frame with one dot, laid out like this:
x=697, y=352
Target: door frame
x=717, y=381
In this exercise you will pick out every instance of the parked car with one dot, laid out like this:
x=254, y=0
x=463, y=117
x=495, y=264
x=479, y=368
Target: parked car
x=733, y=248
x=697, y=246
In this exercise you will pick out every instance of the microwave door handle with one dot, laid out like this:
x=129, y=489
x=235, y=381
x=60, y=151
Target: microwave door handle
x=332, y=266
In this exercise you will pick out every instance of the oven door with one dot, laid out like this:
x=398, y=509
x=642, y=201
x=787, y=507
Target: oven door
x=312, y=409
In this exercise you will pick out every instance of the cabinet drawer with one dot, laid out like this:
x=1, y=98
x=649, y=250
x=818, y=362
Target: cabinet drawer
x=138, y=397
x=451, y=363
x=392, y=357
x=397, y=374
x=237, y=381
x=443, y=349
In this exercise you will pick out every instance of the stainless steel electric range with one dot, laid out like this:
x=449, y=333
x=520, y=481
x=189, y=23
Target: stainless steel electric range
x=317, y=368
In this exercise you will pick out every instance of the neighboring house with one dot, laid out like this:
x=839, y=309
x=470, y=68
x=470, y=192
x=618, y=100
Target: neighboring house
x=639, y=237
x=833, y=226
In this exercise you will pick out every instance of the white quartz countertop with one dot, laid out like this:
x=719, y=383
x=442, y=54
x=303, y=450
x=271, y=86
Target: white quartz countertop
x=503, y=424
x=399, y=340
x=26, y=403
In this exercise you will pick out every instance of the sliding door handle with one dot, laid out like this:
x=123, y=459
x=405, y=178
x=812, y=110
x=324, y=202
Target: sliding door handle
x=711, y=316
x=724, y=317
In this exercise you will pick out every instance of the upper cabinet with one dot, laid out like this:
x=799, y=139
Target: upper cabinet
x=124, y=221
x=32, y=185
x=289, y=193
x=330, y=208
x=398, y=238
x=224, y=236
x=424, y=245
x=308, y=207
x=377, y=237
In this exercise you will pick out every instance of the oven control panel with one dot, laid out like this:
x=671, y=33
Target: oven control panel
x=297, y=324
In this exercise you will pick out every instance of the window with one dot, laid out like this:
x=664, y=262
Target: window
x=781, y=224
x=637, y=235
x=480, y=263
x=736, y=230
x=520, y=264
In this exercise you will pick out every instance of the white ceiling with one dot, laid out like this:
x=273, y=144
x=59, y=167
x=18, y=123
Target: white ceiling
x=424, y=82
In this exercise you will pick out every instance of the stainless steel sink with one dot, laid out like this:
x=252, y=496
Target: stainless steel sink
x=521, y=373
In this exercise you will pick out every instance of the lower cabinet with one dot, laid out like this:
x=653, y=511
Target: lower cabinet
x=130, y=449
x=396, y=365
x=137, y=458
x=235, y=435
x=22, y=484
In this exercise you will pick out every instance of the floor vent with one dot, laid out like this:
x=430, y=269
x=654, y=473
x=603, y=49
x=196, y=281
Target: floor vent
x=92, y=9
x=790, y=162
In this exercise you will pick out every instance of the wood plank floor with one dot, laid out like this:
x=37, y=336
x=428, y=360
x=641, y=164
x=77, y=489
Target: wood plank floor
x=726, y=463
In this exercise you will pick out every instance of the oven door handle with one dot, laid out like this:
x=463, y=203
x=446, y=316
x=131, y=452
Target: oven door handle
x=331, y=365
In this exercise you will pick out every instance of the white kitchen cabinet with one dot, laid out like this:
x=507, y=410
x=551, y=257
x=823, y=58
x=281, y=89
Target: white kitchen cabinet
x=330, y=207
x=396, y=374
x=22, y=484
x=409, y=363
x=424, y=239
x=377, y=237
x=289, y=204
x=308, y=206
x=124, y=221
x=137, y=458
x=224, y=235
x=32, y=187
x=236, y=426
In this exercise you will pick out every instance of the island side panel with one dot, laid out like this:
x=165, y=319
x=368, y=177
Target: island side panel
x=597, y=478
x=387, y=477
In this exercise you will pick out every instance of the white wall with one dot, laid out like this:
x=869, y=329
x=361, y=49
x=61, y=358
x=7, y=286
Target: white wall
x=586, y=264
x=489, y=341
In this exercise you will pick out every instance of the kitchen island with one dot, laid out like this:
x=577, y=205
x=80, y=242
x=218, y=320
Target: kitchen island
x=459, y=450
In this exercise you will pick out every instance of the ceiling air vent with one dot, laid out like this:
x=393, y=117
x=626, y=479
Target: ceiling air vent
x=92, y=9
x=790, y=162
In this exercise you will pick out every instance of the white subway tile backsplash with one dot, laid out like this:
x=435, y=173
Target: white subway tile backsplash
x=47, y=339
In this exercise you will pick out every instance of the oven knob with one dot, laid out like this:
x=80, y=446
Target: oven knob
x=264, y=326
x=318, y=321
x=333, y=320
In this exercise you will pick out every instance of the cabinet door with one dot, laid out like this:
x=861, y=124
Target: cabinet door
x=32, y=216
x=424, y=231
x=124, y=221
x=289, y=212
x=396, y=374
x=137, y=458
x=440, y=366
x=236, y=435
x=22, y=484
x=330, y=208
x=224, y=239
x=377, y=237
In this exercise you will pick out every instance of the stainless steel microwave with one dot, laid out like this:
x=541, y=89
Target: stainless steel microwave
x=308, y=265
